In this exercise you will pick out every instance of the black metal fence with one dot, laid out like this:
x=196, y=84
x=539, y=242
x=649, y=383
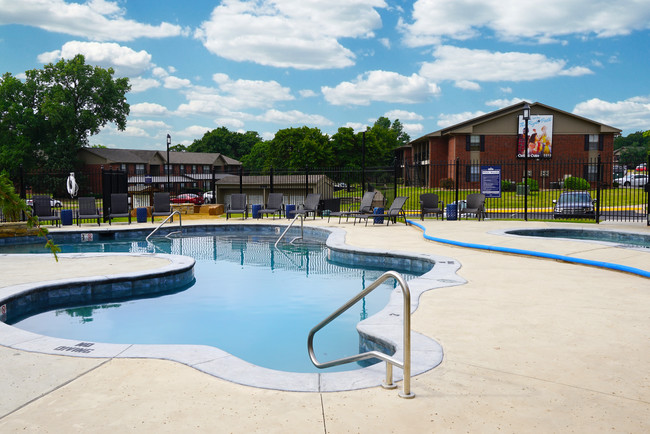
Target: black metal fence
x=620, y=194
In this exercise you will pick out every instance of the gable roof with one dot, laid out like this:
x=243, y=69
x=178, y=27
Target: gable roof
x=139, y=156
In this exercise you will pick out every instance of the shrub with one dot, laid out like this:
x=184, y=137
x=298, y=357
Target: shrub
x=575, y=183
x=447, y=183
x=508, y=185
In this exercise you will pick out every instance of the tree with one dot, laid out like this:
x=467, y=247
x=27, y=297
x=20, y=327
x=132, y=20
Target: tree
x=297, y=148
x=382, y=139
x=231, y=144
x=53, y=113
x=634, y=148
x=347, y=148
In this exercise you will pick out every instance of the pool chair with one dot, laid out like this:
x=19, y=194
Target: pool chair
x=430, y=204
x=396, y=210
x=119, y=207
x=237, y=205
x=161, y=206
x=310, y=206
x=365, y=207
x=42, y=208
x=87, y=210
x=273, y=206
x=475, y=205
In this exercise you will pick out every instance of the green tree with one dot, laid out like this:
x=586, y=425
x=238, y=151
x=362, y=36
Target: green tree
x=231, y=144
x=56, y=109
x=382, y=139
x=634, y=148
x=346, y=146
x=297, y=148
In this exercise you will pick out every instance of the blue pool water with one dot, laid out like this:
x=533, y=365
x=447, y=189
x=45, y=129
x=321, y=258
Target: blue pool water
x=622, y=238
x=249, y=299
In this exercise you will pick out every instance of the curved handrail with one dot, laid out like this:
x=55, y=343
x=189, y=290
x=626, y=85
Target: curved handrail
x=180, y=223
x=405, y=364
x=289, y=227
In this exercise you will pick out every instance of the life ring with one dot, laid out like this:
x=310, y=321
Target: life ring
x=72, y=186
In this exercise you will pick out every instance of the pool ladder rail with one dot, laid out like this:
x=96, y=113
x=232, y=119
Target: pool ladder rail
x=405, y=364
x=170, y=216
x=289, y=227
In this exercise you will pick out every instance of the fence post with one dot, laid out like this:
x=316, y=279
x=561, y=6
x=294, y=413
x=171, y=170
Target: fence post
x=241, y=181
x=271, y=179
x=457, y=182
x=363, y=162
x=647, y=192
x=306, y=181
x=395, y=176
x=23, y=194
x=214, y=186
x=598, y=179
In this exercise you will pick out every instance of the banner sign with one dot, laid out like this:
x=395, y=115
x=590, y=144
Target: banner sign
x=540, y=137
x=491, y=181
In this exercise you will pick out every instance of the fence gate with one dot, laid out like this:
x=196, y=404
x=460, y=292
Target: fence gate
x=113, y=181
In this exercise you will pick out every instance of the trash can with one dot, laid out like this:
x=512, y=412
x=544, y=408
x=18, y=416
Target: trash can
x=141, y=215
x=288, y=209
x=66, y=217
x=452, y=211
x=255, y=209
x=378, y=210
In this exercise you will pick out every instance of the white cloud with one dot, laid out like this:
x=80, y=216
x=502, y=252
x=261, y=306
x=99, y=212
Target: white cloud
x=504, y=102
x=463, y=64
x=403, y=115
x=413, y=129
x=381, y=86
x=193, y=131
x=632, y=114
x=294, y=117
x=139, y=84
x=125, y=61
x=172, y=82
x=98, y=20
x=230, y=122
x=149, y=124
x=467, y=85
x=301, y=34
x=433, y=21
x=307, y=93
x=446, y=120
x=148, y=109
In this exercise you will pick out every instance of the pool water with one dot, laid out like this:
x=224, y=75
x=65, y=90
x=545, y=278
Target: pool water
x=249, y=299
x=623, y=238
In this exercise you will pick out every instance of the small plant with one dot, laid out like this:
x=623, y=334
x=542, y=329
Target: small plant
x=507, y=186
x=533, y=185
x=575, y=183
x=447, y=183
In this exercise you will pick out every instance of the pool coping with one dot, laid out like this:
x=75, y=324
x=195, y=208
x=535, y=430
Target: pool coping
x=385, y=326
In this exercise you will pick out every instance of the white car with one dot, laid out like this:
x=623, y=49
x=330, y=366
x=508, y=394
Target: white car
x=53, y=202
x=633, y=180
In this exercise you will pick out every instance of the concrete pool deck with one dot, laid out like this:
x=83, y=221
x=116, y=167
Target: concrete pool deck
x=529, y=345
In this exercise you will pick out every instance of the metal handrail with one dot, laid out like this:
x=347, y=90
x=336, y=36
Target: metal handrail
x=405, y=365
x=180, y=224
x=289, y=227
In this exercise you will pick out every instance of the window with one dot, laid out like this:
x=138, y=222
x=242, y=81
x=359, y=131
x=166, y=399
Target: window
x=206, y=169
x=194, y=168
x=591, y=172
x=473, y=173
x=123, y=167
x=139, y=169
x=593, y=142
x=475, y=143
x=182, y=169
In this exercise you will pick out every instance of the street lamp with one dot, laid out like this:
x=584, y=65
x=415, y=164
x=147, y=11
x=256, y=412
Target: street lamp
x=169, y=142
x=526, y=117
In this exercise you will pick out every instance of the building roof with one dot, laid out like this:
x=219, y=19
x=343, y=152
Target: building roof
x=139, y=156
x=478, y=125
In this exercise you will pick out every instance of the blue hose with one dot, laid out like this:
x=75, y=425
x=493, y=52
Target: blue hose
x=600, y=264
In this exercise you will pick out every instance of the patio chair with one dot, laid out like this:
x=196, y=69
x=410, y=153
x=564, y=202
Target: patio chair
x=396, y=210
x=365, y=207
x=430, y=204
x=310, y=206
x=237, y=205
x=87, y=210
x=42, y=208
x=475, y=205
x=161, y=205
x=119, y=207
x=273, y=206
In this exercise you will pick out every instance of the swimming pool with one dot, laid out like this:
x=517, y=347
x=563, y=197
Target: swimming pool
x=624, y=239
x=249, y=299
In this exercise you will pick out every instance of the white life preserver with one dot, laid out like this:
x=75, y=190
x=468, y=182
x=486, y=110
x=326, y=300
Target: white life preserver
x=72, y=186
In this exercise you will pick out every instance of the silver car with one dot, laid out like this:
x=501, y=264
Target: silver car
x=574, y=204
x=633, y=180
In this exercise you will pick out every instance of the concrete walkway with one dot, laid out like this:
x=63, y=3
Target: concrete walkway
x=530, y=345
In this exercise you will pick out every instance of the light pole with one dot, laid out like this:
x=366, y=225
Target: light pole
x=526, y=117
x=169, y=142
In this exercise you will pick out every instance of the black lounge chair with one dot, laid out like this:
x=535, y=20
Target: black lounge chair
x=161, y=206
x=365, y=207
x=237, y=205
x=475, y=205
x=396, y=210
x=119, y=207
x=87, y=210
x=42, y=208
x=273, y=206
x=430, y=204
x=310, y=206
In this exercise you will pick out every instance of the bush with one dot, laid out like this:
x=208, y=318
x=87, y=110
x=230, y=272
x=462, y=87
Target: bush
x=575, y=183
x=447, y=183
x=533, y=185
x=508, y=185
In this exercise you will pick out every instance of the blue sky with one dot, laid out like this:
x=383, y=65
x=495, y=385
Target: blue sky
x=264, y=65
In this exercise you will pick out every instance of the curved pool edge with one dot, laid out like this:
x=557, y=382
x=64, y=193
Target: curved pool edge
x=532, y=253
x=385, y=326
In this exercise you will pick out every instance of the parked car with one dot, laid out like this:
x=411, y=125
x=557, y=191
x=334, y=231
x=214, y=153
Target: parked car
x=187, y=198
x=208, y=197
x=574, y=204
x=53, y=202
x=633, y=180
x=643, y=167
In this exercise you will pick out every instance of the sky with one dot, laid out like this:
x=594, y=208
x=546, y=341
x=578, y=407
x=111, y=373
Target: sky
x=266, y=65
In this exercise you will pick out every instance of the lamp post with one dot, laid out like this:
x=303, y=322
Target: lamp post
x=526, y=117
x=169, y=142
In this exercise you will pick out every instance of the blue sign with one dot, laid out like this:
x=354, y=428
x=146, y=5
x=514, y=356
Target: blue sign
x=491, y=181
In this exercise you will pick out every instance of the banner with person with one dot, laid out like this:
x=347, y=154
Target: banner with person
x=540, y=137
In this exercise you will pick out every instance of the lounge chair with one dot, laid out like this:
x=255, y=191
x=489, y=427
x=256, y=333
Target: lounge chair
x=396, y=210
x=430, y=204
x=42, y=208
x=87, y=210
x=365, y=207
x=475, y=205
x=310, y=206
x=237, y=205
x=161, y=205
x=119, y=207
x=273, y=206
